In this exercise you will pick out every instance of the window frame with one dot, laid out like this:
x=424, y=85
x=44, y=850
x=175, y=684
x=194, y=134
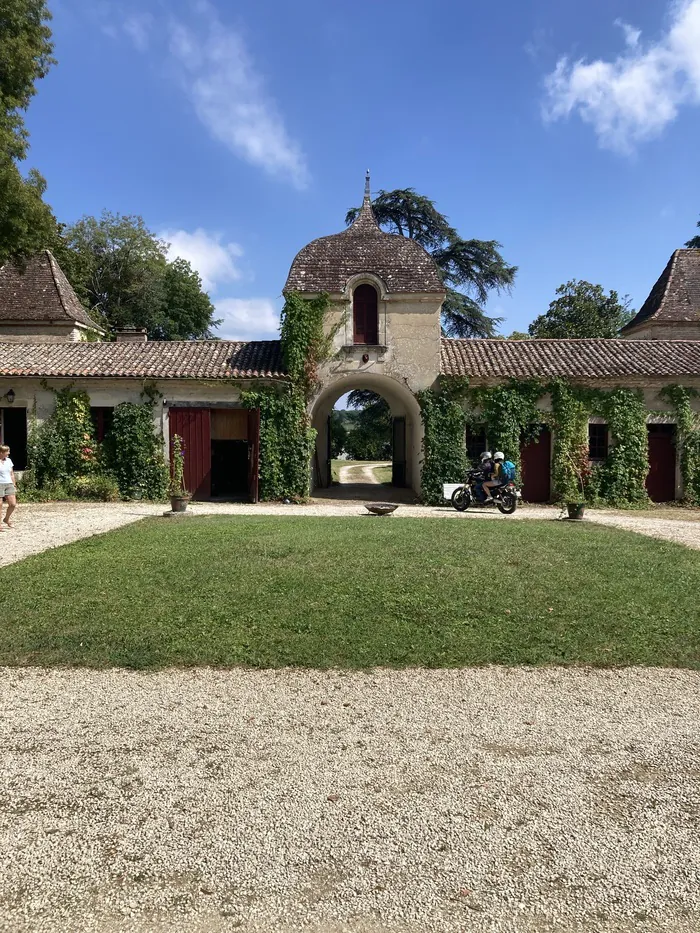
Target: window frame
x=598, y=447
x=375, y=311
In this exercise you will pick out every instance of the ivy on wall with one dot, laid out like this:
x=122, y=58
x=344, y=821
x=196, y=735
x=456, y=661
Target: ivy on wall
x=65, y=460
x=510, y=414
x=444, y=423
x=133, y=453
x=287, y=440
x=688, y=423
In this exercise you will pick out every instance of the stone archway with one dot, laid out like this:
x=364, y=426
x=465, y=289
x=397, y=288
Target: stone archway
x=407, y=426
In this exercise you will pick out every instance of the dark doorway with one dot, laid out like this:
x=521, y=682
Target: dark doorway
x=14, y=433
x=398, y=452
x=229, y=469
x=535, y=466
x=661, y=478
x=475, y=438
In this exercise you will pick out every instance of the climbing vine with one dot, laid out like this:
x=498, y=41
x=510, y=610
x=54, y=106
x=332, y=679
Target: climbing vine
x=444, y=422
x=688, y=423
x=133, y=452
x=622, y=476
x=510, y=413
x=571, y=470
x=287, y=440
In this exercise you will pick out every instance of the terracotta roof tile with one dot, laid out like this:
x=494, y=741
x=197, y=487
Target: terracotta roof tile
x=40, y=292
x=675, y=298
x=326, y=264
x=584, y=359
x=191, y=359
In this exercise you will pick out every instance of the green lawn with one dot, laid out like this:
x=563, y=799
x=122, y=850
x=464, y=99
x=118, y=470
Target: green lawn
x=357, y=592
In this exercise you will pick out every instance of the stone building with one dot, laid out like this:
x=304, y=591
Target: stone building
x=386, y=296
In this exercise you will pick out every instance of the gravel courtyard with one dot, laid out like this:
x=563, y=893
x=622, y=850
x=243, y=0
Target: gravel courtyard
x=493, y=799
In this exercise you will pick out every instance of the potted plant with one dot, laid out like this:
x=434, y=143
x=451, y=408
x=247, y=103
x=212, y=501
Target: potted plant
x=575, y=492
x=179, y=496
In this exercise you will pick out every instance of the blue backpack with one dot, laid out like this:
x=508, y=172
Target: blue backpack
x=508, y=471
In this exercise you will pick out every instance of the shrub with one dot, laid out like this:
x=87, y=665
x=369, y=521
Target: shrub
x=101, y=487
x=133, y=454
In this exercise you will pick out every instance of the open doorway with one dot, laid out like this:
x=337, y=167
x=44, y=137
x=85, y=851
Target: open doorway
x=360, y=438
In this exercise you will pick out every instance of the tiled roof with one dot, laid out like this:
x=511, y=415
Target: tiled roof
x=676, y=295
x=39, y=292
x=182, y=359
x=326, y=264
x=586, y=359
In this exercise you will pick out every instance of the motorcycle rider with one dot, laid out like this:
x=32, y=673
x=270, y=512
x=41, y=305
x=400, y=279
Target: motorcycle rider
x=495, y=476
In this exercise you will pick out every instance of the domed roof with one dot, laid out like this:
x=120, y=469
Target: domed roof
x=326, y=264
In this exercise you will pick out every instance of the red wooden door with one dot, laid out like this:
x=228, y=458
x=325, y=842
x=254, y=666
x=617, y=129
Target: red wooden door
x=535, y=467
x=661, y=478
x=194, y=427
x=253, y=453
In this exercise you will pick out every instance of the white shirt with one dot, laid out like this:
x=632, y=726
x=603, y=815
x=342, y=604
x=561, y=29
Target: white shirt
x=6, y=467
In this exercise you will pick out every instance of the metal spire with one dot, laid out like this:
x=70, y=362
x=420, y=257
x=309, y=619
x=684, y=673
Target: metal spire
x=368, y=196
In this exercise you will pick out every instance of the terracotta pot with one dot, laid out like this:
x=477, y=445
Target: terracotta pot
x=575, y=509
x=179, y=503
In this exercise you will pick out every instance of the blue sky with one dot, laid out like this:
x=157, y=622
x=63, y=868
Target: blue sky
x=567, y=131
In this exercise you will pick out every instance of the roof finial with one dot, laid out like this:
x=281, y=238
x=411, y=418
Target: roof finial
x=368, y=197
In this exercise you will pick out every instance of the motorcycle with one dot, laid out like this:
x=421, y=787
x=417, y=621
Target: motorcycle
x=505, y=496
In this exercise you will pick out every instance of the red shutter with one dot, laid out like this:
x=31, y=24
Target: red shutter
x=365, y=315
x=661, y=479
x=194, y=427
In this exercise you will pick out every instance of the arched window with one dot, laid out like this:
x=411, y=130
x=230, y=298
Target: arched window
x=365, y=315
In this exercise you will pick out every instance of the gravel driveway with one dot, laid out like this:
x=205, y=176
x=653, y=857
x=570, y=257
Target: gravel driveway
x=490, y=800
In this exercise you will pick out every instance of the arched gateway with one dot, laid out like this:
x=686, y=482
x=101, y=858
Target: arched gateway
x=385, y=294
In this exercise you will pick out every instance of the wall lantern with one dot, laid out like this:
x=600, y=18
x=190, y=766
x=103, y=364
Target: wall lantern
x=10, y=396
x=365, y=357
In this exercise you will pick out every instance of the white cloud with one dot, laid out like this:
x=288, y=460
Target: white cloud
x=229, y=97
x=632, y=35
x=247, y=319
x=138, y=28
x=633, y=98
x=215, y=261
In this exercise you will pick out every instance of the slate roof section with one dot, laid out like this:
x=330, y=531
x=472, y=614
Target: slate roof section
x=181, y=359
x=675, y=298
x=326, y=264
x=582, y=359
x=40, y=293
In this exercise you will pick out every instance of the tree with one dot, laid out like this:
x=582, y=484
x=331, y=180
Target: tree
x=582, y=310
x=26, y=222
x=470, y=269
x=370, y=437
x=339, y=434
x=121, y=272
x=695, y=242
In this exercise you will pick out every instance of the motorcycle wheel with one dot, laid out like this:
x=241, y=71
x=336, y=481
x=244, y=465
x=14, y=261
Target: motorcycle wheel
x=461, y=499
x=507, y=504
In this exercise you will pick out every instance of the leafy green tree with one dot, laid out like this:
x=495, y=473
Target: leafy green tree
x=470, y=269
x=121, y=272
x=26, y=222
x=694, y=243
x=582, y=310
x=370, y=437
x=339, y=434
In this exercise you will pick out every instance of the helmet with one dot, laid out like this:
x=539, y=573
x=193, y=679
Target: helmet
x=499, y=455
x=486, y=455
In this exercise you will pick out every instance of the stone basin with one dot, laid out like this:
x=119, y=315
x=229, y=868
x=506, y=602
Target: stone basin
x=381, y=508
